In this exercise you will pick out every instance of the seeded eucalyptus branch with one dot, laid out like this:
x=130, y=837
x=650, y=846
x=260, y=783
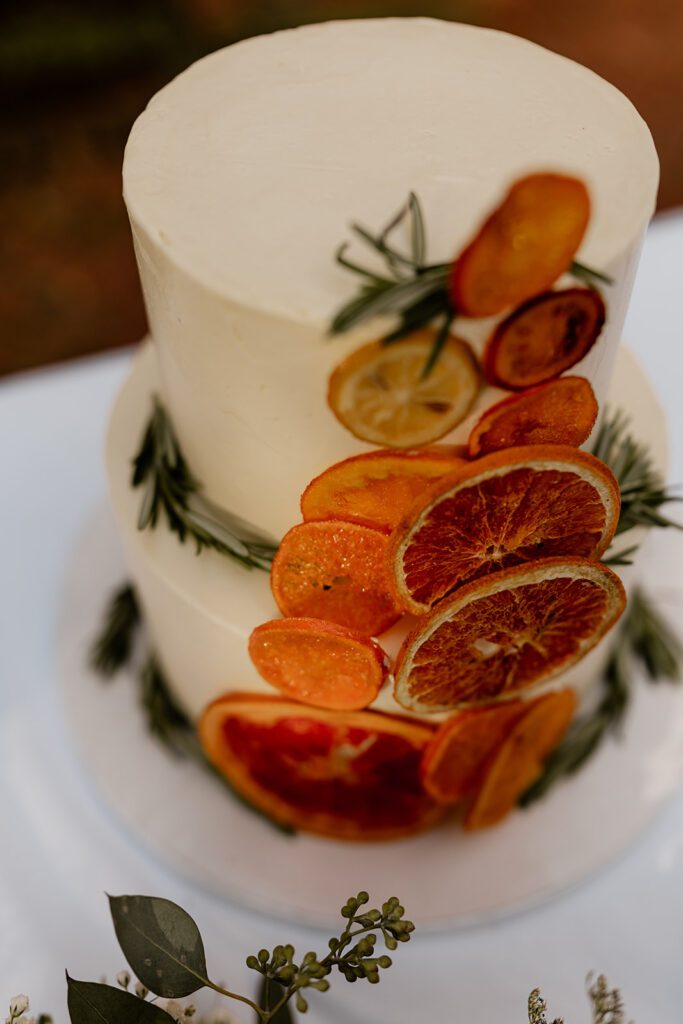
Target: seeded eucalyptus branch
x=171, y=490
x=644, y=638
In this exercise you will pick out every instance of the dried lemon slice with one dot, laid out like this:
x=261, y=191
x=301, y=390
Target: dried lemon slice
x=379, y=393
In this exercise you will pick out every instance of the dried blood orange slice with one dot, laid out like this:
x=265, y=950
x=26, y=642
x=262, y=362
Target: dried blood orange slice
x=523, y=247
x=498, y=636
x=544, y=337
x=503, y=509
x=379, y=393
x=519, y=760
x=563, y=411
x=335, y=571
x=376, y=488
x=319, y=663
x=351, y=775
x=459, y=751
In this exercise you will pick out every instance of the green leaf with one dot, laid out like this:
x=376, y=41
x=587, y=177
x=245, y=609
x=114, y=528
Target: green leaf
x=114, y=644
x=270, y=994
x=90, y=1003
x=161, y=943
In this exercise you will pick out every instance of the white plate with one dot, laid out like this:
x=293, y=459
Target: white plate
x=455, y=878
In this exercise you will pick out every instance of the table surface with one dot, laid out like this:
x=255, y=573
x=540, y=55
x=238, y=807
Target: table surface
x=61, y=849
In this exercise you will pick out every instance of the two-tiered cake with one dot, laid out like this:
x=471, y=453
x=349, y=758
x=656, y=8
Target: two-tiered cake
x=477, y=530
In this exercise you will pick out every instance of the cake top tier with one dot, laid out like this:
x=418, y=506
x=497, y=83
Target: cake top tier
x=248, y=167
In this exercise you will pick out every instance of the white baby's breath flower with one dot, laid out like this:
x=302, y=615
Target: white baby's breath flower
x=123, y=979
x=175, y=1009
x=17, y=1006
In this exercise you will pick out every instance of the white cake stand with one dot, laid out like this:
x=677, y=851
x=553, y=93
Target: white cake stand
x=186, y=817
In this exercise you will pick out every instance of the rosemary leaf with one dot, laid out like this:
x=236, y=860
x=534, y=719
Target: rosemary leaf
x=418, y=234
x=171, y=490
x=437, y=347
x=588, y=274
x=113, y=646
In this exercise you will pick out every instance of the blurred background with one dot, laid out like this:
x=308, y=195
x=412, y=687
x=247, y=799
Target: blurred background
x=74, y=75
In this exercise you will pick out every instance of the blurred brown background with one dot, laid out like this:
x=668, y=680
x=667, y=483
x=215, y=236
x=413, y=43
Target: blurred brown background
x=77, y=73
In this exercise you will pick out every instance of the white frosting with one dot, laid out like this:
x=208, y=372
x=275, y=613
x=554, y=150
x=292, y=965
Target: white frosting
x=242, y=175
x=201, y=610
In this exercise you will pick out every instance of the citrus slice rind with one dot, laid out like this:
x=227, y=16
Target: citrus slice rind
x=523, y=246
x=456, y=756
x=544, y=337
x=519, y=760
x=504, y=509
x=380, y=395
x=335, y=571
x=376, y=488
x=507, y=633
x=319, y=663
x=561, y=411
x=347, y=775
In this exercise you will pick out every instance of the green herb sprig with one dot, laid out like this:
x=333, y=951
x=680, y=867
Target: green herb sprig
x=113, y=646
x=171, y=490
x=644, y=638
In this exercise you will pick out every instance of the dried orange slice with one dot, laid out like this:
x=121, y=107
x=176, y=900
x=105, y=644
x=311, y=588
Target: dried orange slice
x=519, y=760
x=457, y=755
x=501, y=635
x=544, y=337
x=378, y=392
x=351, y=775
x=376, y=488
x=503, y=509
x=335, y=571
x=523, y=247
x=319, y=663
x=563, y=411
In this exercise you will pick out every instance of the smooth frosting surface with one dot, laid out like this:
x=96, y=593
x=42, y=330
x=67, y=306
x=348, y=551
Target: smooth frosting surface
x=248, y=167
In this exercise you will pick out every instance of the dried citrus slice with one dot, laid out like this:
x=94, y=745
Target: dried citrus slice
x=378, y=392
x=376, y=488
x=503, y=509
x=523, y=246
x=498, y=636
x=335, y=571
x=319, y=663
x=352, y=775
x=519, y=760
x=544, y=337
x=459, y=751
x=562, y=411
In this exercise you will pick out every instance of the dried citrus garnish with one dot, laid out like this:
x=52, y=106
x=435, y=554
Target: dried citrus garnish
x=503, y=634
x=376, y=488
x=503, y=509
x=319, y=663
x=379, y=392
x=519, y=760
x=544, y=337
x=459, y=751
x=524, y=245
x=335, y=571
x=351, y=775
x=563, y=411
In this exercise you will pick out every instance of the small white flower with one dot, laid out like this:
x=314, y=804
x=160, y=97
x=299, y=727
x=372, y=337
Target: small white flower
x=123, y=979
x=175, y=1010
x=17, y=1006
x=141, y=991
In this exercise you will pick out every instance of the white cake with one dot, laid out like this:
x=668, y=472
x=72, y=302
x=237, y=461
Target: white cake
x=241, y=178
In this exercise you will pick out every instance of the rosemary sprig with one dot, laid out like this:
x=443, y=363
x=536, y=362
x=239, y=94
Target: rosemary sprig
x=171, y=490
x=113, y=646
x=643, y=493
x=644, y=637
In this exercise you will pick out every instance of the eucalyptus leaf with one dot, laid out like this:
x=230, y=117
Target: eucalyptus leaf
x=270, y=994
x=161, y=943
x=90, y=1003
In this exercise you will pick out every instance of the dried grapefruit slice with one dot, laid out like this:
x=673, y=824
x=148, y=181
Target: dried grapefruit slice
x=335, y=571
x=503, y=509
x=376, y=488
x=519, y=760
x=351, y=775
x=544, y=337
x=457, y=755
x=319, y=663
x=562, y=411
x=524, y=245
x=379, y=394
x=501, y=635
